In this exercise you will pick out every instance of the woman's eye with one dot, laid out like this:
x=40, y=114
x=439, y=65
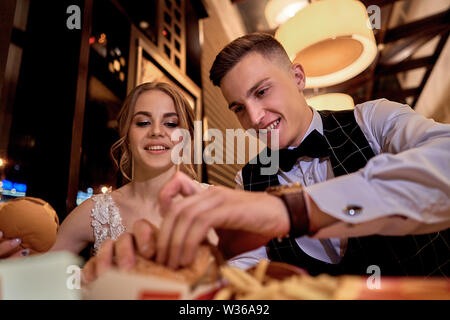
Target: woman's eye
x=172, y=124
x=142, y=123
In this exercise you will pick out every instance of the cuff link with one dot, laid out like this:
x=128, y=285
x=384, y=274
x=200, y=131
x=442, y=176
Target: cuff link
x=353, y=210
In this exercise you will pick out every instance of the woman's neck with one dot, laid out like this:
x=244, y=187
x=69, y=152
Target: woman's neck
x=146, y=186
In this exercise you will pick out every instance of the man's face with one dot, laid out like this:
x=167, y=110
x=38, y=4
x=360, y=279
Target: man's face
x=266, y=95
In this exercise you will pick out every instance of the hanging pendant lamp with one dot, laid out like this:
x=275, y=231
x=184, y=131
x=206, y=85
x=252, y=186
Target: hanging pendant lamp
x=331, y=39
x=331, y=101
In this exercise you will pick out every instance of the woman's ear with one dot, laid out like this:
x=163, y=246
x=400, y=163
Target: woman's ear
x=299, y=76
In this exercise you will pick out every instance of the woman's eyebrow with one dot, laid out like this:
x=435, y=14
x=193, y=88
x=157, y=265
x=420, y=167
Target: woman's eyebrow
x=148, y=114
x=144, y=113
x=170, y=114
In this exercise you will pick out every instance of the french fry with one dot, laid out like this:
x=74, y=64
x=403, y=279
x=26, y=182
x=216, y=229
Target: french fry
x=240, y=279
x=269, y=292
x=301, y=291
x=261, y=269
x=243, y=285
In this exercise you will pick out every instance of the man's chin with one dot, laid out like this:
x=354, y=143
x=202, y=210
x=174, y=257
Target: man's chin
x=275, y=145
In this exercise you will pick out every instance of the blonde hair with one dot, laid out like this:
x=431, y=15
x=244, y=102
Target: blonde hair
x=120, y=151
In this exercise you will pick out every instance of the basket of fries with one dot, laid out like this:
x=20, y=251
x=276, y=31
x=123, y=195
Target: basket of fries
x=275, y=281
x=280, y=281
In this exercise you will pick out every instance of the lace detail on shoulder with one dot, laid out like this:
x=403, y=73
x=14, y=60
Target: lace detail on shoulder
x=203, y=185
x=106, y=219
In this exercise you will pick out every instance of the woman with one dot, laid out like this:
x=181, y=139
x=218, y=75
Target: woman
x=150, y=114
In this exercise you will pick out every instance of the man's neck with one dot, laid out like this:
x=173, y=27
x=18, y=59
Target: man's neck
x=308, y=116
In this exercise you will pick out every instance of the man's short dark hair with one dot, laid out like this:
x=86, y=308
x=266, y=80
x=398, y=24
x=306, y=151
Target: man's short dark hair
x=228, y=57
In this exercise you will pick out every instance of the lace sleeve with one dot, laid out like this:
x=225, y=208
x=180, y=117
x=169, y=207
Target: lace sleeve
x=106, y=220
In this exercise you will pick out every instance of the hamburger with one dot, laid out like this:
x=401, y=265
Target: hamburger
x=32, y=220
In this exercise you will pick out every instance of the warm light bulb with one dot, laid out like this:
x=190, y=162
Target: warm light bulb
x=288, y=12
x=116, y=65
x=278, y=11
x=144, y=24
x=104, y=189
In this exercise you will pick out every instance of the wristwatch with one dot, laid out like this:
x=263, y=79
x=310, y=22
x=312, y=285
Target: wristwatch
x=293, y=197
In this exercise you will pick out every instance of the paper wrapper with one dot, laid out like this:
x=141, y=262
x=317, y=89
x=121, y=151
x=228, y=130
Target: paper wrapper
x=117, y=285
x=49, y=276
x=151, y=281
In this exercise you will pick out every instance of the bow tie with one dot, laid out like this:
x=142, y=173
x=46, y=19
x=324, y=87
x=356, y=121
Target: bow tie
x=313, y=146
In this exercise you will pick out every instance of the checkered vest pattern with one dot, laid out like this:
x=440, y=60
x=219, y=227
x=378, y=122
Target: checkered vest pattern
x=418, y=255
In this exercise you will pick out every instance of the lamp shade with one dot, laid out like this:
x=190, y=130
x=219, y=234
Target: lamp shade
x=331, y=101
x=331, y=39
x=278, y=11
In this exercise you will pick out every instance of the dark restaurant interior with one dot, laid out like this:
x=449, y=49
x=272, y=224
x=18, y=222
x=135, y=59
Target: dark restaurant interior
x=67, y=66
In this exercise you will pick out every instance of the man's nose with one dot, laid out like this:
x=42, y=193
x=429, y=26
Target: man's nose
x=256, y=115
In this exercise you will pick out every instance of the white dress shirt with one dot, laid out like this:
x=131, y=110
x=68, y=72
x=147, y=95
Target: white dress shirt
x=404, y=189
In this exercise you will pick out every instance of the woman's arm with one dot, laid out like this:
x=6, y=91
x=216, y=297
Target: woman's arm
x=75, y=233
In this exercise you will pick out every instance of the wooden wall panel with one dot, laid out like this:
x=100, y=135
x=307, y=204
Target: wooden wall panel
x=214, y=105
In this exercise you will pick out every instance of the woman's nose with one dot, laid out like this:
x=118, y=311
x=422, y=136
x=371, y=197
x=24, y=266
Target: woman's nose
x=155, y=130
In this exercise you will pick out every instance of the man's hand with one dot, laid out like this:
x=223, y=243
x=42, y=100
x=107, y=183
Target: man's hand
x=256, y=216
x=122, y=252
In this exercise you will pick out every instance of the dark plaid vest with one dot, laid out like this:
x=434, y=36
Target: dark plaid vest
x=419, y=255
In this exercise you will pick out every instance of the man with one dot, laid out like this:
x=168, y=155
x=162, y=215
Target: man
x=381, y=169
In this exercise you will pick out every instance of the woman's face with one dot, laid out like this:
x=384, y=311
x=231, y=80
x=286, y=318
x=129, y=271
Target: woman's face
x=153, y=122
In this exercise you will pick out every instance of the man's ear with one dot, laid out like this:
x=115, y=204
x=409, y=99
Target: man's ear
x=299, y=75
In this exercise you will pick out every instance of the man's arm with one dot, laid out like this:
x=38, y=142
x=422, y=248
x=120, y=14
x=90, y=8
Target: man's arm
x=403, y=190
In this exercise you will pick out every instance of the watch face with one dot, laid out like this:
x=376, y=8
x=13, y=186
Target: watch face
x=283, y=189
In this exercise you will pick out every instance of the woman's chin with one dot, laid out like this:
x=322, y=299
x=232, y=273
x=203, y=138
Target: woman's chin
x=159, y=165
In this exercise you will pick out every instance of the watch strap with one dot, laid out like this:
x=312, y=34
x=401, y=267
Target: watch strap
x=298, y=214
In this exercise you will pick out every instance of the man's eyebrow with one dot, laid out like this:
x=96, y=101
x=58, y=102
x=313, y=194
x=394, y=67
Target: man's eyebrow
x=249, y=91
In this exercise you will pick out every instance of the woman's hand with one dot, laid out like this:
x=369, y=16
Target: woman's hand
x=10, y=248
x=122, y=252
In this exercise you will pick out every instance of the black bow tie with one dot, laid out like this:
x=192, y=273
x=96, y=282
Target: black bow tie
x=313, y=146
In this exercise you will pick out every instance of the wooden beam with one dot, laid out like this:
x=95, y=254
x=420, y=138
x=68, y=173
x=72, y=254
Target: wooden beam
x=404, y=66
x=404, y=49
x=433, y=24
x=7, y=10
x=380, y=3
x=397, y=95
x=437, y=53
x=80, y=102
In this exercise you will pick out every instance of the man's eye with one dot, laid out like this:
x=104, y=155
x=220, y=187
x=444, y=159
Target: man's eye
x=238, y=109
x=261, y=92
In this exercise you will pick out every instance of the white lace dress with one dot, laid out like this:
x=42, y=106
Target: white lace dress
x=106, y=220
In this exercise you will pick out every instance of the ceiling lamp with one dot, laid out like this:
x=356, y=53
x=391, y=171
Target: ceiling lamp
x=331, y=101
x=331, y=39
x=278, y=11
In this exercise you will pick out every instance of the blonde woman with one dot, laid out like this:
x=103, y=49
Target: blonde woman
x=150, y=114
